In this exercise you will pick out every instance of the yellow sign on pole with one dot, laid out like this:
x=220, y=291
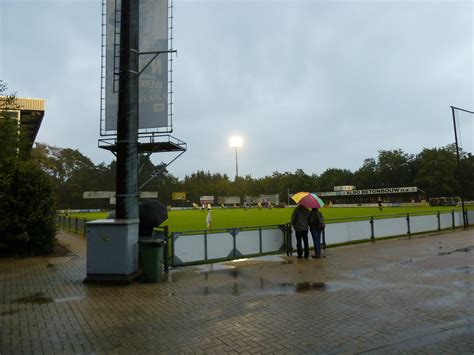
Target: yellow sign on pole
x=176, y=196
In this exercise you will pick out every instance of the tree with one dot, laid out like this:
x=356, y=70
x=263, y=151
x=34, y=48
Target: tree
x=27, y=204
x=61, y=163
x=437, y=172
x=10, y=140
x=335, y=177
x=366, y=176
x=73, y=173
x=394, y=168
x=467, y=166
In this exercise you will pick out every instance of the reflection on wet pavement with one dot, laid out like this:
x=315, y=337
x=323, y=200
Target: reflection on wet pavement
x=303, y=286
x=393, y=296
x=39, y=298
x=465, y=249
x=262, y=288
x=8, y=313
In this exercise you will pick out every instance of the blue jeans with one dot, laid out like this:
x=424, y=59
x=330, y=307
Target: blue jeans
x=316, y=234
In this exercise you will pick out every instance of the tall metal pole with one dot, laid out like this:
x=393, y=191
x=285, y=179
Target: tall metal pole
x=127, y=120
x=459, y=170
x=236, y=164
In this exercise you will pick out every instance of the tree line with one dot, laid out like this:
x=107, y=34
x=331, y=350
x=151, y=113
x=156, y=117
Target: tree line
x=34, y=183
x=434, y=170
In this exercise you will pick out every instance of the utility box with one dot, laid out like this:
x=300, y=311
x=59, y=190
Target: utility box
x=112, y=249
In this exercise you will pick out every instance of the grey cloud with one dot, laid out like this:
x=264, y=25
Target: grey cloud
x=309, y=84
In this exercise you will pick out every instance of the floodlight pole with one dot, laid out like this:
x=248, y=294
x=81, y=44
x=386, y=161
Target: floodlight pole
x=461, y=184
x=127, y=119
x=236, y=164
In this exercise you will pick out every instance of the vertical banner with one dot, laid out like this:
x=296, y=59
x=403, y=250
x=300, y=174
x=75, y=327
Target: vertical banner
x=153, y=81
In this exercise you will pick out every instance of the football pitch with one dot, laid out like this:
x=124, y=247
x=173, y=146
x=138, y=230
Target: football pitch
x=185, y=220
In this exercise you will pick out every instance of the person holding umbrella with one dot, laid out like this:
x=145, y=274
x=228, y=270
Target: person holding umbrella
x=316, y=226
x=310, y=200
x=299, y=220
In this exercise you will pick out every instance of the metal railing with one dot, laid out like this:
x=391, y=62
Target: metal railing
x=72, y=224
x=205, y=246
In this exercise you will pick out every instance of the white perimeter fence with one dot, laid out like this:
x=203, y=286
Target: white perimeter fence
x=196, y=247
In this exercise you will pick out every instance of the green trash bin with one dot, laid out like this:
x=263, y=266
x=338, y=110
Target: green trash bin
x=151, y=251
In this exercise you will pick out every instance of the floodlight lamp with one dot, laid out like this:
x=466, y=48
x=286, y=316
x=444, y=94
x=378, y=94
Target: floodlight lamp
x=235, y=142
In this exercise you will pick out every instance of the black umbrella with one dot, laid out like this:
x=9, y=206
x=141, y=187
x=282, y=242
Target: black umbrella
x=151, y=213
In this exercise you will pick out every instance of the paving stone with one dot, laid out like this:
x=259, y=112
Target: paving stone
x=393, y=296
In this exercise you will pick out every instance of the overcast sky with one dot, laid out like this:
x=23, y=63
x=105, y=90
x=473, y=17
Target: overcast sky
x=308, y=84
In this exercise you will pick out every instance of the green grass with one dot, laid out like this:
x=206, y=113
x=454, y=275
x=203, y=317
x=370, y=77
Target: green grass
x=234, y=218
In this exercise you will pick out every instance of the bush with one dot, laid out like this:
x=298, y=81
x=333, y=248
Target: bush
x=27, y=207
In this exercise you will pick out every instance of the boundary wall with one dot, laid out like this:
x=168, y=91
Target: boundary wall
x=205, y=246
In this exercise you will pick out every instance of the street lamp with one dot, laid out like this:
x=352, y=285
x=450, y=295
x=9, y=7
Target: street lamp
x=236, y=142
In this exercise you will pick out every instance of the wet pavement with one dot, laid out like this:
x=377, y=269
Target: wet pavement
x=394, y=296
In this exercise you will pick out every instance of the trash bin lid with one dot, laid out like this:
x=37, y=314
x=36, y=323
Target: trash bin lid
x=154, y=243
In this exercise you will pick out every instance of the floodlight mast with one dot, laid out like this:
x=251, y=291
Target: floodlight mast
x=236, y=142
x=236, y=163
x=127, y=119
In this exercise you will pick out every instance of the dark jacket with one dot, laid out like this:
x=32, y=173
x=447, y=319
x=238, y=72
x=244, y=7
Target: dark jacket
x=300, y=218
x=316, y=219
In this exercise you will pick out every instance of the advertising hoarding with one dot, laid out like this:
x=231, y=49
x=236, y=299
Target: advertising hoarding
x=228, y=200
x=153, y=82
x=344, y=188
x=379, y=191
x=206, y=199
x=178, y=196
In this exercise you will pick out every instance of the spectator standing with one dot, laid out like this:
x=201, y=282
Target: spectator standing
x=316, y=226
x=299, y=220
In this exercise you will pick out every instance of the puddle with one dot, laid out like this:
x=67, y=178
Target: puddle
x=272, y=258
x=263, y=288
x=39, y=298
x=301, y=287
x=205, y=270
x=230, y=267
x=67, y=299
x=260, y=258
x=360, y=284
x=465, y=250
x=8, y=313
x=462, y=284
x=233, y=272
x=448, y=300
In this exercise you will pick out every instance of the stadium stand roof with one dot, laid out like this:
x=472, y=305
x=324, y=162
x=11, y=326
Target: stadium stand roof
x=31, y=115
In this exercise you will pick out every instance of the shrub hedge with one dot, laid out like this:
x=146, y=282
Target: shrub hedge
x=27, y=207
